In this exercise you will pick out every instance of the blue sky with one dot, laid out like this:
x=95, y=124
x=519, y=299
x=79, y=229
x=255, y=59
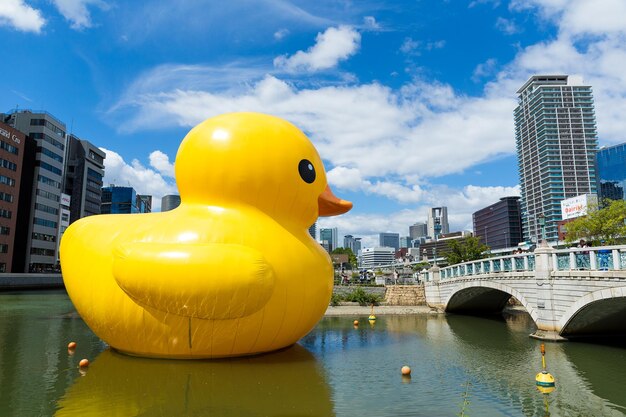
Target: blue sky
x=410, y=103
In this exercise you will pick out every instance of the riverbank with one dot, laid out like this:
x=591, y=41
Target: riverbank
x=349, y=310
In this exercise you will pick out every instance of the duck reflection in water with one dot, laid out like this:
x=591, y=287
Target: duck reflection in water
x=288, y=382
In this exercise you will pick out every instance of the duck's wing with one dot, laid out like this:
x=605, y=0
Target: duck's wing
x=208, y=281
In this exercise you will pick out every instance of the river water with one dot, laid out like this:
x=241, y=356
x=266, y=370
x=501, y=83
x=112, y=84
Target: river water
x=461, y=366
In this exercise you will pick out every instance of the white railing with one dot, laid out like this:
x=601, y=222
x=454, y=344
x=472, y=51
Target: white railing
x=603, y=258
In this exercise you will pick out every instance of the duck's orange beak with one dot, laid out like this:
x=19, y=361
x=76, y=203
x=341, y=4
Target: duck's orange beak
x=330, y=205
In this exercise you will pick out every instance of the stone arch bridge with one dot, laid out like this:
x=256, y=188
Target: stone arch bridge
x=568, y=293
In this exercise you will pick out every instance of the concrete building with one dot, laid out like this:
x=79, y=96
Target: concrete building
x=84, y=170
x=390, y=240
x=500, y=224
x=372, y=257
x=611, y=163
x=437, y=222
x=144, y=203
x=405, y=242
x=556, y=141
x=12, y=143
x=44, y=159
x=329, y=239
x=117, y=200
x=438, y=248
x=354, y=243
x=170, y=202
x=418, y=230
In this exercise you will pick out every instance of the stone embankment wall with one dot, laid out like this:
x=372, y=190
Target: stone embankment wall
x=346, y=289
x=405, y=295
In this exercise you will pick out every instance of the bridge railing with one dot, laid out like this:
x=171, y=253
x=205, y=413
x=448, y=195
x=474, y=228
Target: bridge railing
x=603, y=258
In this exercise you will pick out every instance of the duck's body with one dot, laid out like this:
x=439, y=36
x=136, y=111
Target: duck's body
x=218, y=276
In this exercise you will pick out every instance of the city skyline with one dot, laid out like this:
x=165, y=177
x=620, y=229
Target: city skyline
x=407, y=110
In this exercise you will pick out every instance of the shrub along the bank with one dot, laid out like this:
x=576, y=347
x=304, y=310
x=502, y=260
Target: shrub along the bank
x=357, y=295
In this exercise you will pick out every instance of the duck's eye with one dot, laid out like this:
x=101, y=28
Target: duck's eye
x=307, y=171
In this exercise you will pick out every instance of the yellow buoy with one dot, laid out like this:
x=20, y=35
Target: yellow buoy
x=544, y=380
x=372, y=317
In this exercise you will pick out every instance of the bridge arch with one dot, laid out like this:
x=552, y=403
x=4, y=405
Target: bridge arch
x=601, y=310
x=496, y=286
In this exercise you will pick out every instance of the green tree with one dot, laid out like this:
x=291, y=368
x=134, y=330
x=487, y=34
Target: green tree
x=346, y=251
x=606, y=223
x=463, y=250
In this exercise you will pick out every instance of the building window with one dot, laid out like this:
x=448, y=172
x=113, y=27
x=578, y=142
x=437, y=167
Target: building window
x=45, y=223
x=9, y=148
x=5, y=213
x=4, y=248
x=47, y=209
x=7, y=181
x=49, y=167
x=52, y=141
x=8, y=164
x=45, y=180
x=49, y=153
x=44, y=237
x=42, y=252
x=48, y=195
x=6, y=197
x=4, y=230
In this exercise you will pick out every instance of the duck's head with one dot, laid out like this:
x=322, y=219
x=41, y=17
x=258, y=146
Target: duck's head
x=256, y=160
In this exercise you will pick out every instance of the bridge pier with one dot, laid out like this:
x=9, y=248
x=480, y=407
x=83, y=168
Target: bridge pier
x=545, y=319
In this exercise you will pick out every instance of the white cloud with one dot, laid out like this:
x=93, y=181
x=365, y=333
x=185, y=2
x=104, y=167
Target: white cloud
x=280, y=34
x=332, y=46
x=144, y=180
x=19, y=15
x=507, y=26
x=76, y=11
x=161, y=162
x=486, y=69
x=370, y=23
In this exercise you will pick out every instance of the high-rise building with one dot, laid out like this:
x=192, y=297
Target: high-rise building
x=418, y=230
x=371, y=257
x=313, y=230
x=437, y=222
x=354, y=243
x=116, y=200
x=556, y=141
x=12, y=143
x=84, y=170
x=389, y=240
x=328, y=237
x=405, y=241
x=170, y=202
x=144, y=203
x=44, y=159
x=611, y=163
x=500, y=224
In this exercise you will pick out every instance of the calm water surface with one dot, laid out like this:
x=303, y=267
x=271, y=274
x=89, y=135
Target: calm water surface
x=461, y=366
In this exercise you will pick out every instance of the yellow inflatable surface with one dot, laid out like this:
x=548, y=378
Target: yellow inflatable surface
x=232, y=271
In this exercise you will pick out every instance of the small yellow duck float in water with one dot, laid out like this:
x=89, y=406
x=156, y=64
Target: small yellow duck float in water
x=232, y=271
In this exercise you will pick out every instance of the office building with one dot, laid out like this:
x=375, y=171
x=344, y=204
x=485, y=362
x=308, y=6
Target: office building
x=12, y=143
x=611, y=163
x=313, y=230
x=117, y=200
x=144, y=203
x=390, y=240
x=170, y=202
x=372, y=257
x=556, y=141
x=353, y=243
x=500, y=224
x=418, y=230
x=44, y=160
x=328, y=239
x=84, y=170
x=437, y=222
x=405, y=242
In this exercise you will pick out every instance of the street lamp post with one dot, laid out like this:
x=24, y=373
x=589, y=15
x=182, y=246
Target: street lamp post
x=541, y=220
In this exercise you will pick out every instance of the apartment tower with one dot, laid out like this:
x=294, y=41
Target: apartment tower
x=556, y=141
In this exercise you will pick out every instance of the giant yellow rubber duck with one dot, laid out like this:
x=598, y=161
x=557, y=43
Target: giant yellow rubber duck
x=232, y=271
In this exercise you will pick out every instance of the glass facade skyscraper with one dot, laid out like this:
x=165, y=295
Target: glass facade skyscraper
x=556, y=141
x=117, y=200
x=612, y=172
